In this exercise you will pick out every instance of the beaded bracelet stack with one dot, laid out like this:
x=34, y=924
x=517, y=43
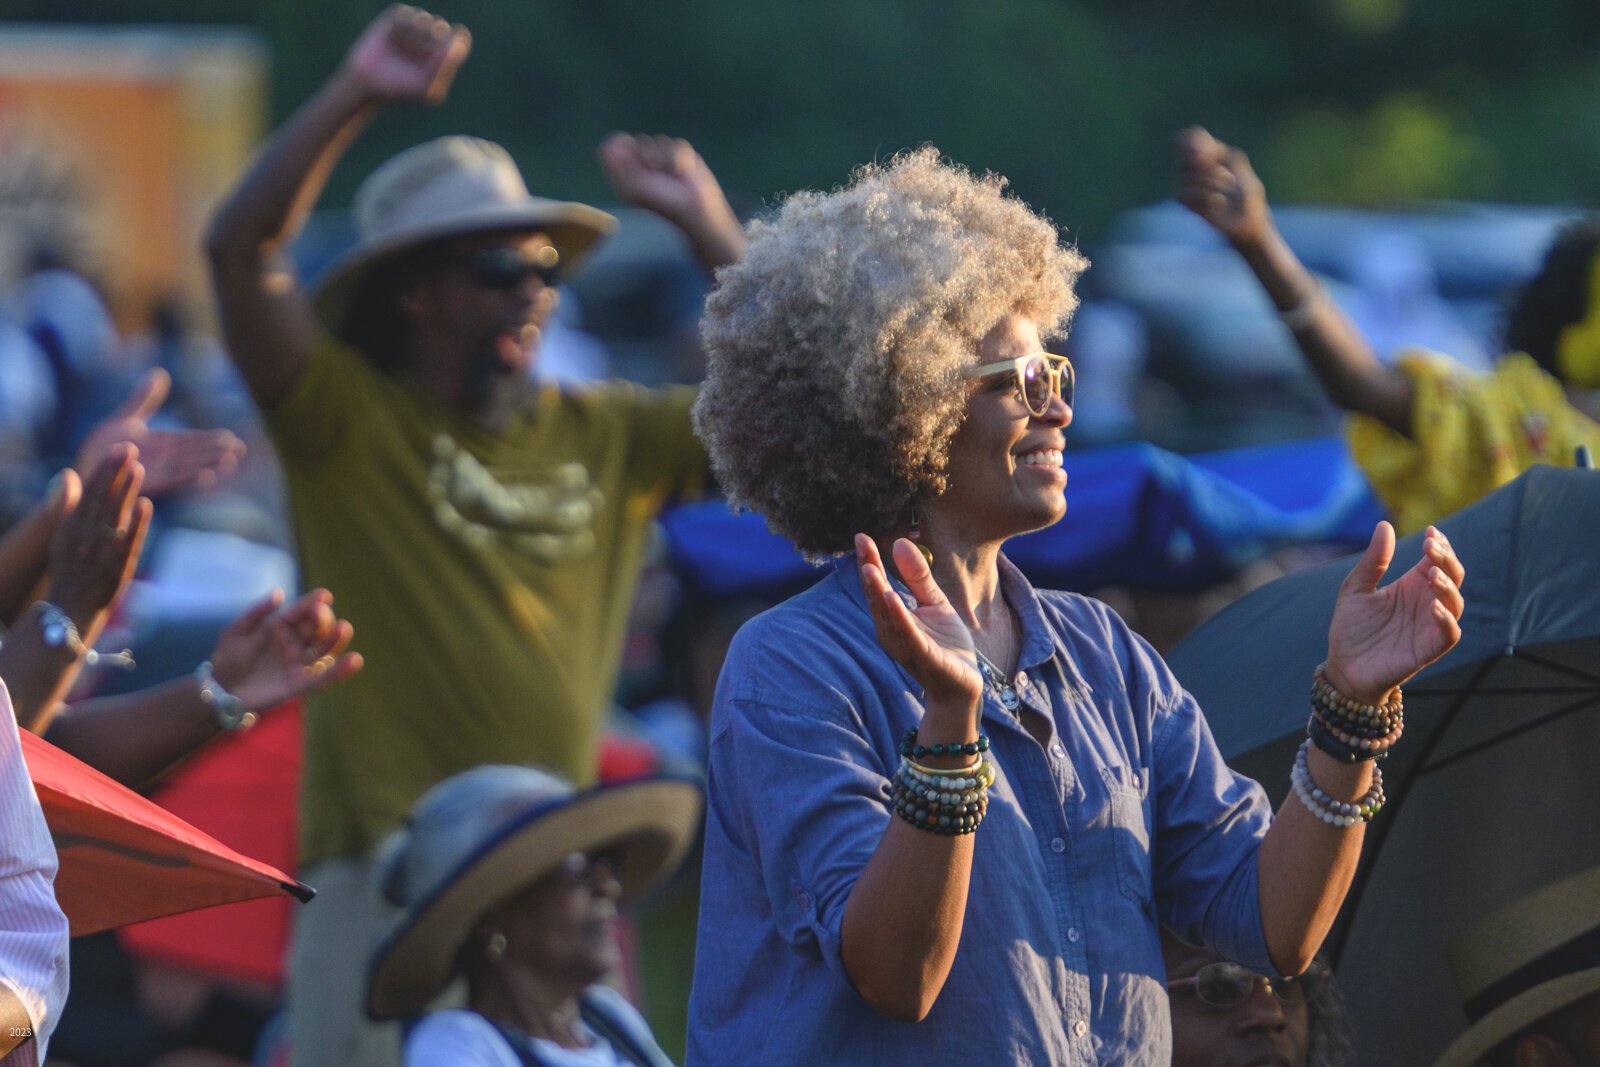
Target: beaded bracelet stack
x=950, y=801
x=1350, y=731
x=1331, y=811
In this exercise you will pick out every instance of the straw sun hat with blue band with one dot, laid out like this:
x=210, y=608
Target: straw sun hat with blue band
x=475, y=839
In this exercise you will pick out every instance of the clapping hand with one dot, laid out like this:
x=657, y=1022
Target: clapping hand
x=929, y=640
x=408, y=56
x=275, y=651
x=1216, y=182
x=1381, y=637
x=173, y=460
x=96, y=544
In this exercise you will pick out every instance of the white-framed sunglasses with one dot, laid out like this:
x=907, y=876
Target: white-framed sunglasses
x=1039, y=376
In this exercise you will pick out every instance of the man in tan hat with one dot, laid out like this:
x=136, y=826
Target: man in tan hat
x=483, y=532
x=1529, y=979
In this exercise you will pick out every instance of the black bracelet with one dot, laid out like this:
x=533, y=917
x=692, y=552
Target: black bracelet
x=1323, y=738
x=911, y=750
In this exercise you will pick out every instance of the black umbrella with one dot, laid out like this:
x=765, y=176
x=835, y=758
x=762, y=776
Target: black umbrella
x=1493, y=790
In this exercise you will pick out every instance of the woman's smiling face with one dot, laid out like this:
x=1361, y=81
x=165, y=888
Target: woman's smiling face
x=1005, y=474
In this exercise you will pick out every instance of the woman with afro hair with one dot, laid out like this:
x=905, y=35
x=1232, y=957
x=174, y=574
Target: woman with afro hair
x=948, y=813
x=1431, y=435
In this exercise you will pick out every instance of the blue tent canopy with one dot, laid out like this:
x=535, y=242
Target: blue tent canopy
x=1137, y=515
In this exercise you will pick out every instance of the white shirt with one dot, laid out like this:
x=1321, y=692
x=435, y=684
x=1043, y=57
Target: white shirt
x=459, y=1038
x=33, y=930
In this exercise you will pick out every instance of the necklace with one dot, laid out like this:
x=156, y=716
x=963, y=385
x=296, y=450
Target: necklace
x=1004, y=689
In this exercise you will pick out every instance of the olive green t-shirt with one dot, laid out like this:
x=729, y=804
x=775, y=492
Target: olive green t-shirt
x=488, y=576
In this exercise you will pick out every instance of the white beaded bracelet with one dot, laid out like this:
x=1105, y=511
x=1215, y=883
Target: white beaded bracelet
x=1334, y=812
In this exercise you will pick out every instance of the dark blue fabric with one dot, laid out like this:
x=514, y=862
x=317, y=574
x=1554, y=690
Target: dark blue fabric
x=1136, y=515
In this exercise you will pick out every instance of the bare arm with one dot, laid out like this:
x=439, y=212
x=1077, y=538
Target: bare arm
x=92, y=555
x=1217, y=183
x=1378, y=639
x=666, y=175
x=268, y=655
x=25, y=551
x=903, y=921
x=406, y=54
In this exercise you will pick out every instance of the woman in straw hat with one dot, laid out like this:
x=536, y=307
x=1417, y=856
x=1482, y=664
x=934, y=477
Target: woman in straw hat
x=511, y=881
x=1529, y=979
x=948, y=812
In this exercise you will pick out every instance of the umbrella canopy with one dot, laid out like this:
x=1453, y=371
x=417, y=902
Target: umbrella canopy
x=124, y=859
x=1491, y=792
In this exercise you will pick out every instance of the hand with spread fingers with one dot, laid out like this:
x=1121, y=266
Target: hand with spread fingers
x=96, y=546
x=173, y=460
x=929, y=640
x=1380, y=637
x=1216, y=182
x=275, y=651
x=667, y=176
x=407, y=55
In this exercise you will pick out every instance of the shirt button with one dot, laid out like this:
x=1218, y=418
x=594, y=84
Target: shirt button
x=1058, y=844
x=1057, y=751
x=1073, y=935
x=805, y=902
x=1022, y=679
x=1080, y=1028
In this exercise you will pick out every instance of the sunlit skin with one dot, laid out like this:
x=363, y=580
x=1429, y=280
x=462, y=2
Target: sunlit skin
x=468, y=338
x=993, y=494
x=560, y=938
x=1261, y=1032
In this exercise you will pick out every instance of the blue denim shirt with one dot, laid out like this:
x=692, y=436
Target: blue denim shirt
x=1126, y=817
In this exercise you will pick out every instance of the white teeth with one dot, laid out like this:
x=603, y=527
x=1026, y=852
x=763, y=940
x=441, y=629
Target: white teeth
x=1045, y=458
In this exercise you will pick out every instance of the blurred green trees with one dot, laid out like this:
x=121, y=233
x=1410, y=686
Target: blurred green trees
x=1365, y=101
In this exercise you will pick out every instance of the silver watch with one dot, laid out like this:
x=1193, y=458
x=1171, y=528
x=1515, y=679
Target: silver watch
x=231, y=712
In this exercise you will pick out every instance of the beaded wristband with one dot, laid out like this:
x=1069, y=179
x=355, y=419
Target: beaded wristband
x=1340, y=726
x=910, y=749
x=939, y=793
x=1323, y=689
x=951, y=802
x=1331, y=811
x=1360, y=740
x=1372, y=725
x=976, y=769
x=1329, y=743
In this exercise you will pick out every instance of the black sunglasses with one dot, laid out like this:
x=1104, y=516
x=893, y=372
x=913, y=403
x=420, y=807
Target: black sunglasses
x=1227, y=985
x=504, y=268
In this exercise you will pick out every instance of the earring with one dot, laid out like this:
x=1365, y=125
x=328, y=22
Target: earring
x=914, y=535
x=495, y=948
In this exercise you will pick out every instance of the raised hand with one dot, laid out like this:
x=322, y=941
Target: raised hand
x=1215, y=181
x=666, y=175
x=173, y=460
x=96, y=545
x=1381, y=637
x=407, y=56
x=275, y=651
x=930, y=641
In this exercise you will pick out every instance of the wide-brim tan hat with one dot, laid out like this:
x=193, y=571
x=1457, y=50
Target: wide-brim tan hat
x=444, y=188
x=1528, y=960
x=478, y=838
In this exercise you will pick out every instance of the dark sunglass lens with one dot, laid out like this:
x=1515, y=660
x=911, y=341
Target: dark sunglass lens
x=1223, y=985
x=505, y=268
x=1069, y=384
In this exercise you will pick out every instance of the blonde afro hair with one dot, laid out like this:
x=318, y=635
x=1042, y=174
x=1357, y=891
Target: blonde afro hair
x=834, y=347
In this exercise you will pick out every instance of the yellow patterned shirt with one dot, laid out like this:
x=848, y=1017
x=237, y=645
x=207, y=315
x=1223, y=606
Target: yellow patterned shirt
x=1471, y=433
x=488, y=576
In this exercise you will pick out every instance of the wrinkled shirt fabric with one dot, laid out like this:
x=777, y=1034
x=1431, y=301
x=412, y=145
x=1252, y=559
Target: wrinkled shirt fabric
x=1125, y=818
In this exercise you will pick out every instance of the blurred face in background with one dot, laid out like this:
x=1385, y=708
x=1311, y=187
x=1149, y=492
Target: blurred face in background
x=1222, y=1016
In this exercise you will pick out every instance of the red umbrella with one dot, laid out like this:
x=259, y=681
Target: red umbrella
x=125, y=859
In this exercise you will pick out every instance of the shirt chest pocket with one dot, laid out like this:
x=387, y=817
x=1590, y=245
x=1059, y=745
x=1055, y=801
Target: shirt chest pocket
x=1126, y=824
